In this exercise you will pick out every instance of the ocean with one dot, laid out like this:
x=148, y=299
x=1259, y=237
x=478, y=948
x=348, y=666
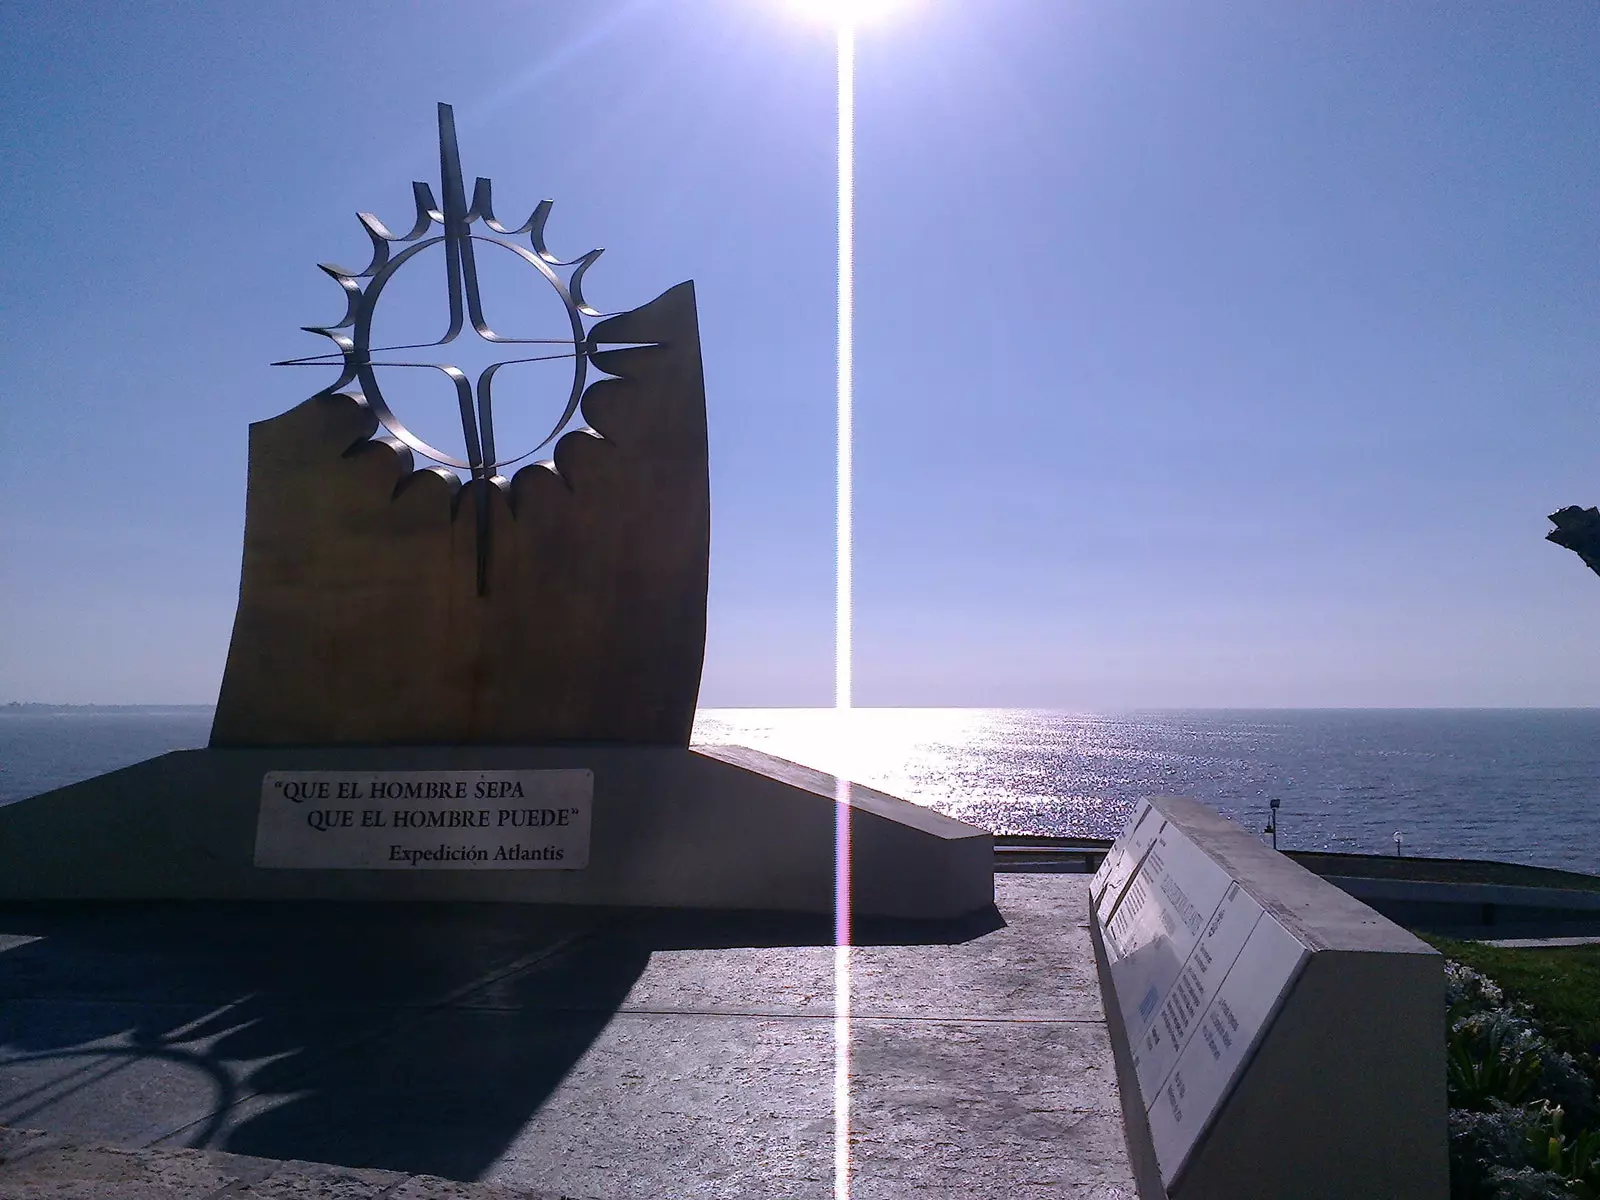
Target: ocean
x=1519, y=785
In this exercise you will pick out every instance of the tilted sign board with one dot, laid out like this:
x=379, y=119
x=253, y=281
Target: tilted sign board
x=1124, y=858
x=1199, y=970
x=430, y=820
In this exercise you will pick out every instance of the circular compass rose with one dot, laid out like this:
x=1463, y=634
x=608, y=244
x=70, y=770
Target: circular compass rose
x=475, y=398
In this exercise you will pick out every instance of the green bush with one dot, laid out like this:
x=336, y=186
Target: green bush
x=1483, y=1067
x=1513, y=1096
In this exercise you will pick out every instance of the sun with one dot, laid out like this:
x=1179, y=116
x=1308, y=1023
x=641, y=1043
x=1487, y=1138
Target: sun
x=847, y=12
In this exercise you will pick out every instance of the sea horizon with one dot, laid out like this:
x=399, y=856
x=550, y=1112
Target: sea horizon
x=41, y=705
x=1509, y=783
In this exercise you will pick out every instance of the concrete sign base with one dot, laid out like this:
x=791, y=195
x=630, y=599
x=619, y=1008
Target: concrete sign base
x=651, y=826
x=1274, y=1037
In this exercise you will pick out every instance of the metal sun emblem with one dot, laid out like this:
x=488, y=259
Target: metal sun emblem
x=474, y=398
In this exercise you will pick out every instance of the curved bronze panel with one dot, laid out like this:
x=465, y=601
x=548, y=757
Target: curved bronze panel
x=361, y=616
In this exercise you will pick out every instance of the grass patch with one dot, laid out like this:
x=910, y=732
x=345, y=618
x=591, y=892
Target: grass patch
x=1561, y=984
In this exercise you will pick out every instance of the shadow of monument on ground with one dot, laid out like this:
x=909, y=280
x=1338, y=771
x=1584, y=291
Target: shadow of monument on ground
x=418, y=1038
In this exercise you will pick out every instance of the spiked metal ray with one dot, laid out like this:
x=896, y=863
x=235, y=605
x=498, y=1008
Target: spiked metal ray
x=455, y=217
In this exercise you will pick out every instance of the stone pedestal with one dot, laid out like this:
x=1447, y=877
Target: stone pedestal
x=715, y=828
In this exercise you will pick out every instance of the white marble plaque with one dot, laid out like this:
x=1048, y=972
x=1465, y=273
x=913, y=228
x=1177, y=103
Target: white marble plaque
x=1202, y=974
x=1198, y=968
x=1124, y=858
x=425, y=820
x=1155, y=927
x=1112, y=865
x=1220, y=1042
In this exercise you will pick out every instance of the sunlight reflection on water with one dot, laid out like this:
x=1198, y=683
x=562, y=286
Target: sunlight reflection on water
x=1521, y=785
x=1002, y=769
x=1518, y=785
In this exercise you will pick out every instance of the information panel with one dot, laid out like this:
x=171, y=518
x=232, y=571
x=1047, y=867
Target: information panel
x=1153, y=931
x=1198, y=968
x=1124, y=857
x=1220, y=1040
x=425, y=820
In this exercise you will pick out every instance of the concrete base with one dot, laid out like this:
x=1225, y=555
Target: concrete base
x=719, y=828
x=1344, y=1095
x=607, y=1055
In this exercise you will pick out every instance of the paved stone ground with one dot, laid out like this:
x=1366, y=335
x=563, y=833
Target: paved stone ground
x=41, y=1166
x=350, y=1050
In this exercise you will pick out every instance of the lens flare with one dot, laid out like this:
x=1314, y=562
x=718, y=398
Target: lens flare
x=843, y=613
x=843, y=616
x=847, y=12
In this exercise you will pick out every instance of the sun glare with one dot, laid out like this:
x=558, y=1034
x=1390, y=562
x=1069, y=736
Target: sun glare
x=843, y=609
x=845, y=16
x=846, y=12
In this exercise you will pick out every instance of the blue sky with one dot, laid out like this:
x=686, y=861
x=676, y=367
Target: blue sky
x=1222, y=354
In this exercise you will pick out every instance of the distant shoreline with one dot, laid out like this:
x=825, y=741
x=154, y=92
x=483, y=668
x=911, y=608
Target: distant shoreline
x=36, y=708
x=18, y=708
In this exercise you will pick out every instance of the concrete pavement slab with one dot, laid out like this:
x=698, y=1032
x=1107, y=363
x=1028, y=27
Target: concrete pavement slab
x=593, y=1053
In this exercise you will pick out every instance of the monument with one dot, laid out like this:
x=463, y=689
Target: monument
x=473, y=676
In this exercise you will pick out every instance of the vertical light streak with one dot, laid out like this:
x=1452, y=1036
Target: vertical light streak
x=841, y=991
x=843, y=613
